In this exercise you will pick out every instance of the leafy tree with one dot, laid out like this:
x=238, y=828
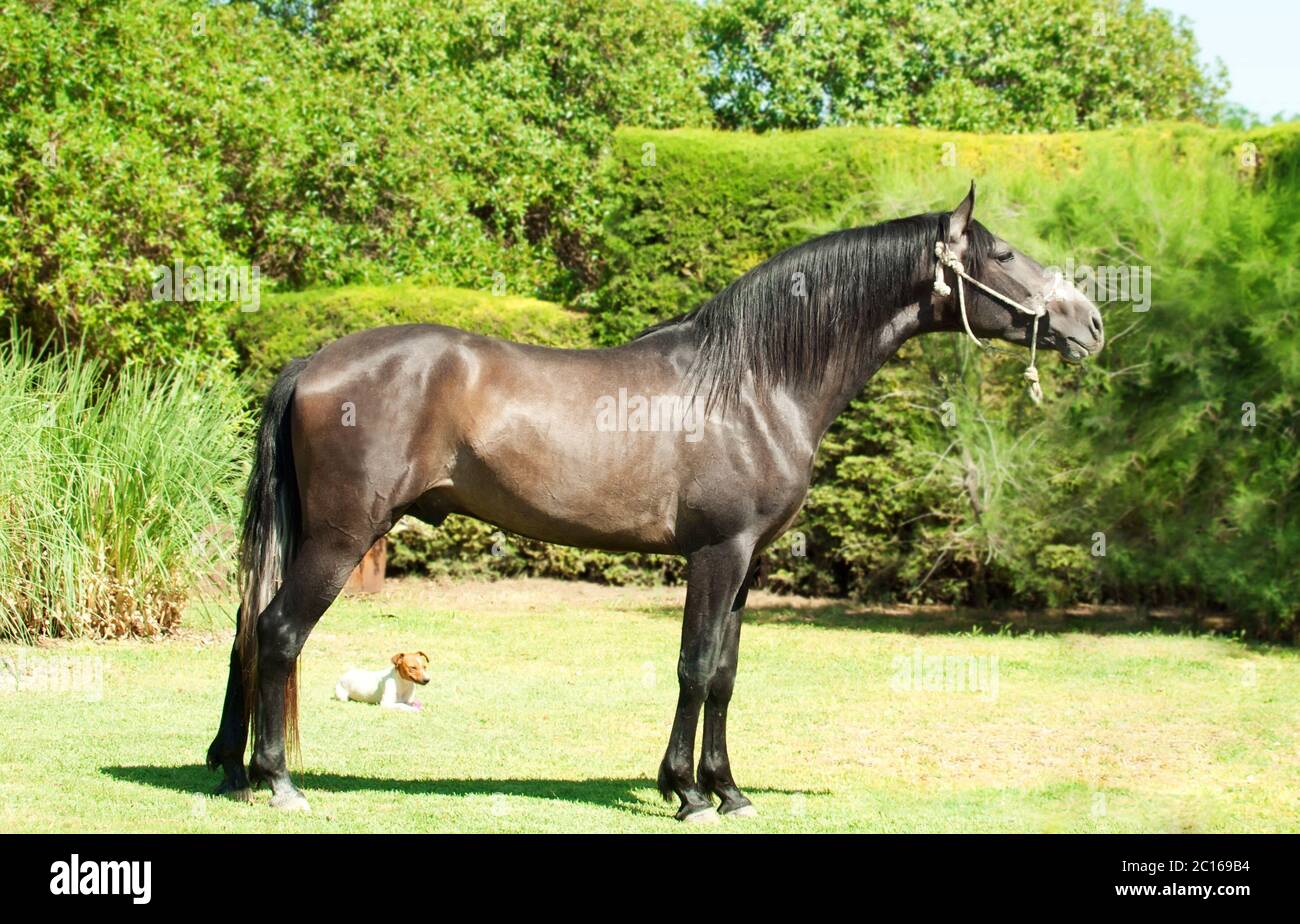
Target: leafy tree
x=520, y=98
x=389, y=140
x=971, y=65
x=134, y=135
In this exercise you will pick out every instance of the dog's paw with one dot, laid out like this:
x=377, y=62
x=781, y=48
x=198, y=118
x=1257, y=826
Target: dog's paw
x=416, y=704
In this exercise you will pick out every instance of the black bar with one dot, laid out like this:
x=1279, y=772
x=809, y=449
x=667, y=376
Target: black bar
x=936, y=870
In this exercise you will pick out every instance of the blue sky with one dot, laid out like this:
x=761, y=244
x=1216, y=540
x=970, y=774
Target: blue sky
x=1257, y=40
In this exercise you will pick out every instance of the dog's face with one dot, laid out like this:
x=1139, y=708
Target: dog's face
x=412, y=665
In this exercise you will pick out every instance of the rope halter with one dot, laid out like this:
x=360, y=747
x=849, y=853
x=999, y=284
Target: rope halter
x=949, y=259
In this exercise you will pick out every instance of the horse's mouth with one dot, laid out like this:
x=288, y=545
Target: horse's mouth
x=1075, y=351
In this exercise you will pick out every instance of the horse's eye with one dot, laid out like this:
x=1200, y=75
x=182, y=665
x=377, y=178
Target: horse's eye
x=1005, y=257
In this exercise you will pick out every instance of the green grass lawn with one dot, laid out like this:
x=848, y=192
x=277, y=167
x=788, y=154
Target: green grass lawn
x=551, y=704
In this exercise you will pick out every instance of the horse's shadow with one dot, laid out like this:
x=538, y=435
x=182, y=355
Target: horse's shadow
x=622, y=794
x=964, y=620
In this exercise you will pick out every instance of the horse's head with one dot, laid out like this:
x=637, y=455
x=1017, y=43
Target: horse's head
x=1068, y=322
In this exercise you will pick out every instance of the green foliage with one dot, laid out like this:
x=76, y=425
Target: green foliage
x=1145, y=445
x=693, y=209
x=382, y=143
x=969, y=65
x=109, y=493
x=462, y=547
x=375, y=154
x=294, y=324
x=358, y=141
x=118, y=128
x=527, y=92
x=1189, y=432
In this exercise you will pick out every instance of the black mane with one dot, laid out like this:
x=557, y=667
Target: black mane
x=851, y=278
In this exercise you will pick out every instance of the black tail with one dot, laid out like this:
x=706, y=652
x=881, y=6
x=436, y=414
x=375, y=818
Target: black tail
x=271, y=535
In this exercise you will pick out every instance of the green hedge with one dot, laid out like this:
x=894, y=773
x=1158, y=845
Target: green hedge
x=691, y=209
x=463, y=547
x=293, y=324
x=1145, y=445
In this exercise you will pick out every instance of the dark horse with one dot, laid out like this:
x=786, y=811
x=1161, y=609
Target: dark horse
x=428, y=420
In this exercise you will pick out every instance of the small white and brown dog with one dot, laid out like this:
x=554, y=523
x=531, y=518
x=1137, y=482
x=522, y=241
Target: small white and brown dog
x=393, y=688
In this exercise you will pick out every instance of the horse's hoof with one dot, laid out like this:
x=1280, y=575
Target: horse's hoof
x=290, y=802
x=705, y=816
x=745, y=811
x=229, y=790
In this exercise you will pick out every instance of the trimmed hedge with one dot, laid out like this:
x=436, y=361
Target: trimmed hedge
x=692, y=209
x=1144, y=446
x=1004, y=505
x=464, y=547
x=293, y=324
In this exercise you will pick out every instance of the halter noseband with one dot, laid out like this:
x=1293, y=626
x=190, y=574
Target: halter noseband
x=949, y=259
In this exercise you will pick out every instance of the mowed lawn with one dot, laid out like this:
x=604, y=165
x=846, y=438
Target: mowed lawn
x=551, y=704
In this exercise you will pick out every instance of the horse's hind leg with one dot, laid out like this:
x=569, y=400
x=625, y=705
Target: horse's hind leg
x=715, y=765
x=315, y=578
x=714, y=577
x=227, y=749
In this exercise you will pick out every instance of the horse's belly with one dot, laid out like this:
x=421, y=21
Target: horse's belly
x=591, y=492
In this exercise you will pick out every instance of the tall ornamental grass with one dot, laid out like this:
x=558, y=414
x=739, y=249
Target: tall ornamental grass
x=116, y=494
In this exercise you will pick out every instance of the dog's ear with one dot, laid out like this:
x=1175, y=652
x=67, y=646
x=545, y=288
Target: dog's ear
x=397, y=658
x=425, y=656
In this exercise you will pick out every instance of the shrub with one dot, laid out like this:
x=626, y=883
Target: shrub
x=129, y=141
x=462, y=547
x=110, y=491
x=1145, y=445
x=382, y=143
x=298, y=323
x=974, y=65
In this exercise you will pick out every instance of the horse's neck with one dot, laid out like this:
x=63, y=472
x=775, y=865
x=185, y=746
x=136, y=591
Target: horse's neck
x=821, y=402
x=828, y=399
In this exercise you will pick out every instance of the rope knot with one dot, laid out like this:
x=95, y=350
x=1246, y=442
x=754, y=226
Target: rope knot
x=944, y=258
x=1035, y=389
x=947, y=258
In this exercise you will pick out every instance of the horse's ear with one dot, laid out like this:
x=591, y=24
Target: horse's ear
x=960, y=217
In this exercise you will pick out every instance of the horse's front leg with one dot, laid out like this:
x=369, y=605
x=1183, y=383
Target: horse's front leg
x=715, y=765
x=715, y=575
x=227, y=748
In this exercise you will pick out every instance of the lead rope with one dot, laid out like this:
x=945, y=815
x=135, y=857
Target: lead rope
x=946, y=258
